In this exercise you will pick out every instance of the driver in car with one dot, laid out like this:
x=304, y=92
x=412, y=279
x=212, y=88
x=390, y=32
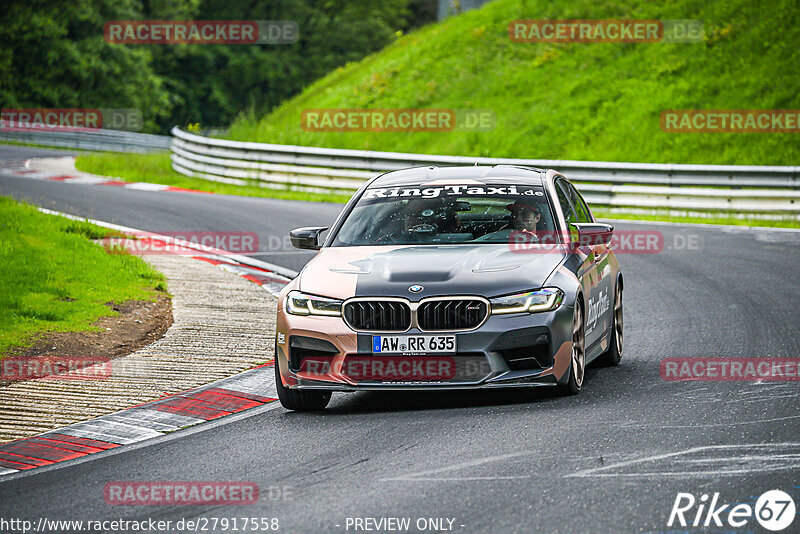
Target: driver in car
x=525, y=216
x=523, y=224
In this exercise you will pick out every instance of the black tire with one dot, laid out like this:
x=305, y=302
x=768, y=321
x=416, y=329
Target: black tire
x=300, y=401
x=613, y=355
x=577, y=364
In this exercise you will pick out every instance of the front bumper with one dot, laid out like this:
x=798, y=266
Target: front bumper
x=515, y=350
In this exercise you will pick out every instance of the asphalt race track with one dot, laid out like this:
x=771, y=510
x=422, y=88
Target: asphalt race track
x=611, y=459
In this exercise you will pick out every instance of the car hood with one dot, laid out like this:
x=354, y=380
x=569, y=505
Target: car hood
x=485, y=269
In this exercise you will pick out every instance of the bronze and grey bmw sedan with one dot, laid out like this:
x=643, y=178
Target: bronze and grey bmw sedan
x=451, y=278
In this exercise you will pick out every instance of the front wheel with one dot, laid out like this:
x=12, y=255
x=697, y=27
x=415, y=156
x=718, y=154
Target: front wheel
x=578, y=357
x=300, y=401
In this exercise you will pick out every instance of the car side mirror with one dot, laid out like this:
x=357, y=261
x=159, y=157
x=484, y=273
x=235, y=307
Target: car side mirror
x=307, y=238
x=591, y=234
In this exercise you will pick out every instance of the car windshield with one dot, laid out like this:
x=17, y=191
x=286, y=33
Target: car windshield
x=422, y=215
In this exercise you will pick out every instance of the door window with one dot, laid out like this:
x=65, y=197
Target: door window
x=581, y=209
x=566, y=205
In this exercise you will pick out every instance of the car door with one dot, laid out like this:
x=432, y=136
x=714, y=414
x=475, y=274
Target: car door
x=599, y=309
x=587, y=272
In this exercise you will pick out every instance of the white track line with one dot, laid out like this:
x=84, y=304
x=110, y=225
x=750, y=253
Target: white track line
x=277, y=269
x=462, y=465
x=602, y=471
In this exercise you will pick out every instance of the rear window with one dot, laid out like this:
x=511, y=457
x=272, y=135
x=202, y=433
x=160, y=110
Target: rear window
x=445, y=214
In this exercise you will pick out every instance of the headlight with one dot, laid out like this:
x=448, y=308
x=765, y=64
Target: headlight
x=302, y=304
x=545, y=299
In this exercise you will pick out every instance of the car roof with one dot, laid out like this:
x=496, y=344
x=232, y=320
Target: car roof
x=494, y=175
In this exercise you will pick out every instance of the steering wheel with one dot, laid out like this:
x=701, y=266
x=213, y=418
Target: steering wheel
x=423, y=228
x=386, y=237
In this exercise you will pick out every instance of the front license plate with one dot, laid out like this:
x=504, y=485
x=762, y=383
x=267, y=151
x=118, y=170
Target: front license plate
x=413, y=344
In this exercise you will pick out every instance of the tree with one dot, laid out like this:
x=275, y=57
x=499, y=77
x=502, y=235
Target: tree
x=54, y=56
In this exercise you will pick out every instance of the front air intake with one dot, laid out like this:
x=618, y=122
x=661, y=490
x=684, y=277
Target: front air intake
x=451, y=314
x=378, y=315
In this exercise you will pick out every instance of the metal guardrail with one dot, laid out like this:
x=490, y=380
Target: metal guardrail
x=103, y=140
x=758, y=189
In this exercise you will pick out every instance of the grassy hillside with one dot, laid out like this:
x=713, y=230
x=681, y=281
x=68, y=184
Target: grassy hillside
x=570, y=101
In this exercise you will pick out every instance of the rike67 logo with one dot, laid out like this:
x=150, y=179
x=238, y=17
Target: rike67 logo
x=774, y=510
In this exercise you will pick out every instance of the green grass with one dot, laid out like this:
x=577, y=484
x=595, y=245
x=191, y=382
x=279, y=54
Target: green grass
x=569, y=101
x=53, y=278
x=48, y=147
x=156, y=168
x=709, y=218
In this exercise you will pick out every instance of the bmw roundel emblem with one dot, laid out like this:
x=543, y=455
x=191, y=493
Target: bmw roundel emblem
x=415, y=288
